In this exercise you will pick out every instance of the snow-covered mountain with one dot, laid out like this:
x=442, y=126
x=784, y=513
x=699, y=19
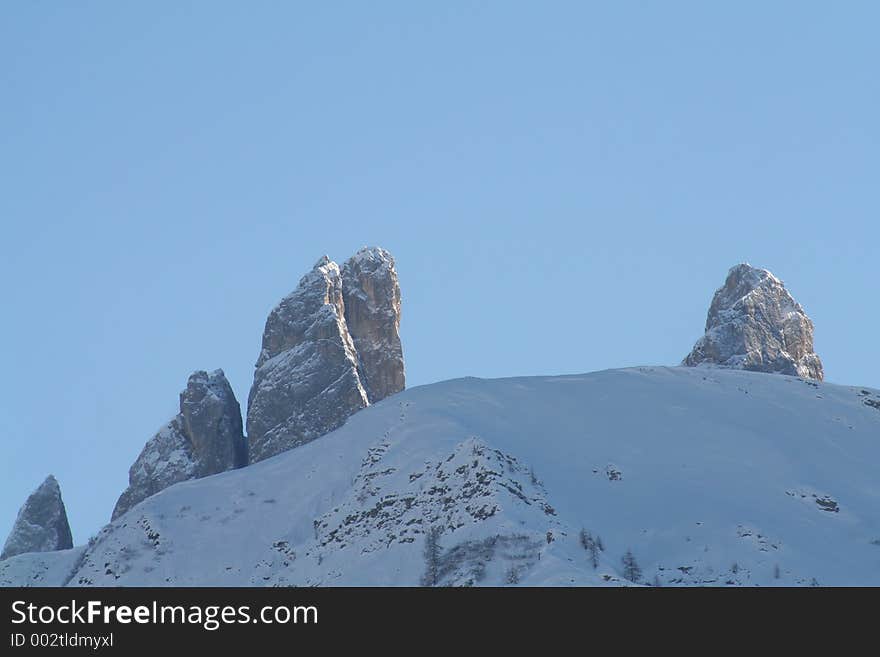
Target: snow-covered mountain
x=708, y=476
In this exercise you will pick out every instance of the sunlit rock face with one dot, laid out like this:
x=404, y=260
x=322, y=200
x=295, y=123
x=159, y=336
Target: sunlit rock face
x=371, y=293
x=755, y=324
x=330, y=348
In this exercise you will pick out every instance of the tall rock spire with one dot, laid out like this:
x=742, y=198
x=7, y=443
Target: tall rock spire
x=372, y=312
x=755, y=324
x=41, y=525
x=306, y=381
x=330, y=348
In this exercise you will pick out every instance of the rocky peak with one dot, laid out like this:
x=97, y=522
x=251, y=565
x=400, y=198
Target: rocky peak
x=211, y=419
x=41, y=525
x=314, y=310
x=372, y=312
x=755, y=324
x=204, y=438
x=306, y=381
x=330, y=348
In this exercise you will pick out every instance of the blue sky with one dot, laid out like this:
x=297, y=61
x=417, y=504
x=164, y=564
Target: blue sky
x=564, y=185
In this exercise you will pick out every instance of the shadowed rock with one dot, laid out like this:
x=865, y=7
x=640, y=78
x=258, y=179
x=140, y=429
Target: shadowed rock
x=306, y=381
x=330, y=348
x=205, y=438
x=41, y=525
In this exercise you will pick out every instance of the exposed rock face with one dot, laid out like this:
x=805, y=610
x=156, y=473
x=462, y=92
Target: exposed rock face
x=315, y=369
x=41, y=525
x=211, y=418
x=306, y=382
x=755, y=324
x=372, y=312
x=205, y=438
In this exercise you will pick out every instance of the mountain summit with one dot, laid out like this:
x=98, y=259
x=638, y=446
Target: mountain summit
x=755, y=324
x=372, y=313
x=203, y=439
x=41, y=525
x=330, y=348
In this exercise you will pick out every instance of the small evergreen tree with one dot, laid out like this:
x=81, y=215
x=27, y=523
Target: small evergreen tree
x=591, y=545
x=533, y=477
x=631, y=569
x=432, y=553
x=586, y=539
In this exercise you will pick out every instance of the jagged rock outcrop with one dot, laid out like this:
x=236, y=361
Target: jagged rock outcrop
x=211, y=419
x=755, y=324
x=315, y=368
x=205, y=438
x=371, y=293
x=306, y=382
x=41, y=525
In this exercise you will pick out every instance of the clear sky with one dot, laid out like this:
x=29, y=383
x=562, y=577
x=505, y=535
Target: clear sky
x=564, y=185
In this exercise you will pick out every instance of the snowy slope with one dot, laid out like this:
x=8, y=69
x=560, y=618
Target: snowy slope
x=709, y=476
